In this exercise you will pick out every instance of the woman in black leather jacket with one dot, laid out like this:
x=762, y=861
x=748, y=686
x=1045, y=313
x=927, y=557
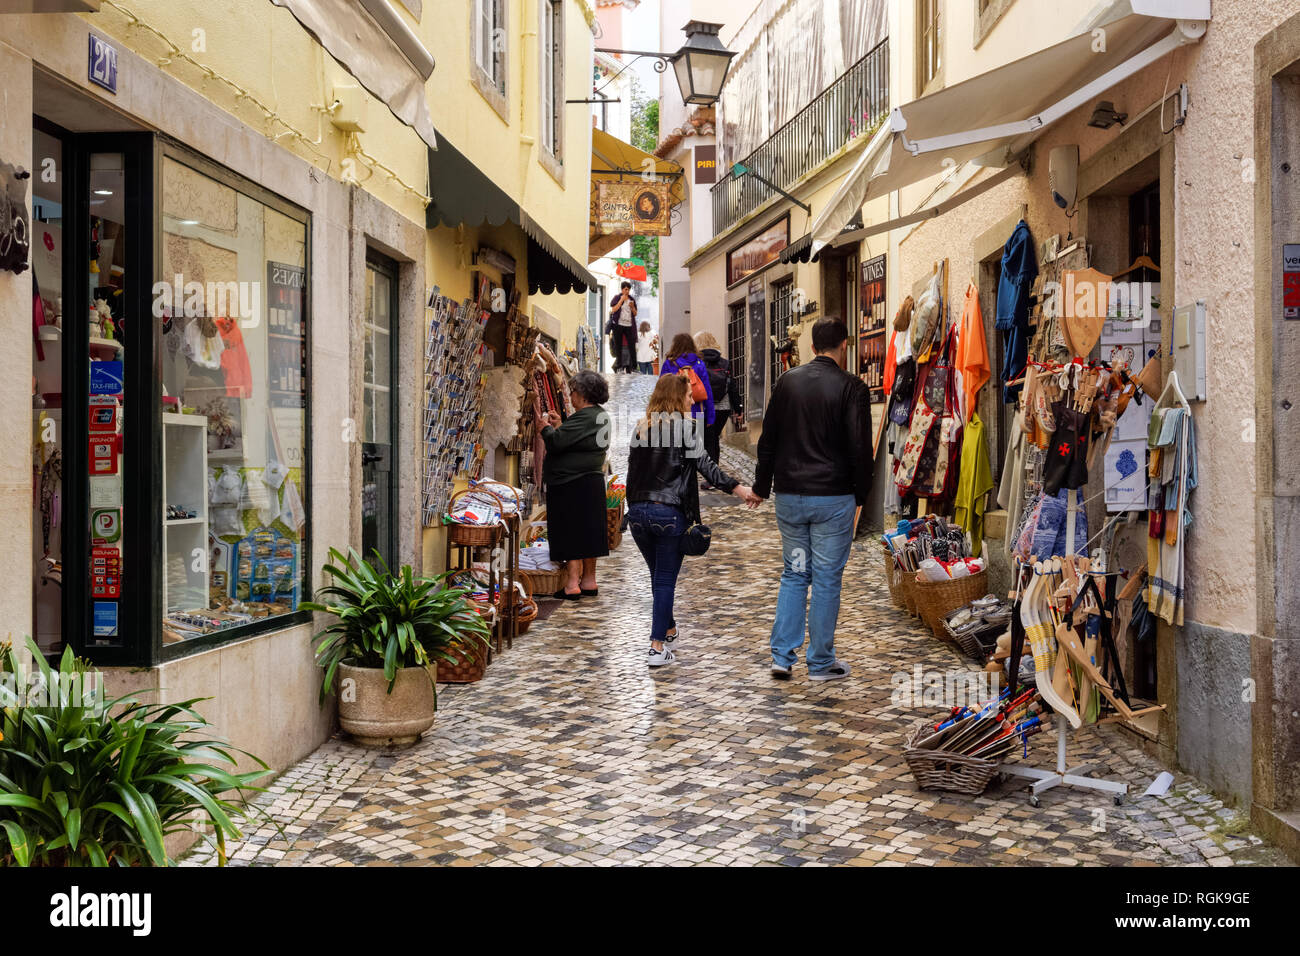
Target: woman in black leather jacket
x=667, y=450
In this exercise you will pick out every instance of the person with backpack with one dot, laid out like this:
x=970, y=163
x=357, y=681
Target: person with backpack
x=725, y=388
x=663, y=513
x=683, y=360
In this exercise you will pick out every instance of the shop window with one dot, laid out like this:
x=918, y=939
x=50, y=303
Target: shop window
x=736, y=337
x=929, y=44
x=778, y=330
x=232, y=307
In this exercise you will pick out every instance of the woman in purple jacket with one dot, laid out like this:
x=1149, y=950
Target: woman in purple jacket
x=681, y=355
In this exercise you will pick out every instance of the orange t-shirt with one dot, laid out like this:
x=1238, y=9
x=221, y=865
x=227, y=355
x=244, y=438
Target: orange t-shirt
x=972, y=352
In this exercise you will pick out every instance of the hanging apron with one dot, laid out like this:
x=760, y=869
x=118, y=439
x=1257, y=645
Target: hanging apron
x=924, y=467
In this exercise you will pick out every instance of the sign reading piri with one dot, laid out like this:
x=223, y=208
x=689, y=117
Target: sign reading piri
x=639, y=208
x=706, y=165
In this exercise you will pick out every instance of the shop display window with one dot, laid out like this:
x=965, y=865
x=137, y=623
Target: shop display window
x=232, y=303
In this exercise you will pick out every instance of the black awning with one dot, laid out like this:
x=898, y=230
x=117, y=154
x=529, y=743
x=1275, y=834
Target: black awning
x=550, y=267
x=801, y=249
x=462, y=193
x=798, y=251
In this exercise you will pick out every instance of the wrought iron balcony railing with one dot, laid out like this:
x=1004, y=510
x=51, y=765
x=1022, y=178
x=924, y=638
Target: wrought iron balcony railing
x=850, y=107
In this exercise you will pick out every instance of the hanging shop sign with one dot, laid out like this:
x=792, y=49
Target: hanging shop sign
x=1291, y=281
x=706, y=165
x=639, y=208
x=758, y=251
x=102, y=66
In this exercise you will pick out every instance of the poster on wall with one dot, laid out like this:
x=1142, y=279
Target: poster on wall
x=286, y=332
x=638, y=208
x=758, y=251
x=756, y=303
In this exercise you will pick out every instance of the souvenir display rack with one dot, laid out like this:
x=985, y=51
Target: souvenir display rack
x=453, y=422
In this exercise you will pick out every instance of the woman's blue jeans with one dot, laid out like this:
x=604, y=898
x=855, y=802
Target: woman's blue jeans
x=657, y=530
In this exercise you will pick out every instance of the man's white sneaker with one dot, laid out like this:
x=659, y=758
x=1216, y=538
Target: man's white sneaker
x=660, y=658
x=836, y=671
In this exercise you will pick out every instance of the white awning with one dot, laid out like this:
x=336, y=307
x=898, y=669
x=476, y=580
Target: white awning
x=371, y=41
x=991, y=118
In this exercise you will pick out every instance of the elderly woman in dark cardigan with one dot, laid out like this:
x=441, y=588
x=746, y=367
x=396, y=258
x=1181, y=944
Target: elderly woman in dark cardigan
x=573, y=473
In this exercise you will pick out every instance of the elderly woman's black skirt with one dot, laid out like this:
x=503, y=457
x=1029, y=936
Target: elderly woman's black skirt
x=575, y=519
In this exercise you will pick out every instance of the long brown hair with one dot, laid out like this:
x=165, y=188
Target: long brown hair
x=682, y=344
x=672, y=396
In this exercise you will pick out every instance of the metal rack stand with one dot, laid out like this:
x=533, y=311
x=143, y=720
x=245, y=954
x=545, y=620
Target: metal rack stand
x=1063, y=776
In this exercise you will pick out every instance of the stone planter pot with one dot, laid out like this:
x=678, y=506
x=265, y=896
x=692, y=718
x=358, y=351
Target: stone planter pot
x=376, y=718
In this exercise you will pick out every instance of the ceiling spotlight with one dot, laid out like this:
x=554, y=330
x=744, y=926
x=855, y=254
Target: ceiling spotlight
x=103, y=192
x=1105, y=116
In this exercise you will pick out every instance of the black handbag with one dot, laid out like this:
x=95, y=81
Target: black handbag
x=900, y=397
x=696, y=540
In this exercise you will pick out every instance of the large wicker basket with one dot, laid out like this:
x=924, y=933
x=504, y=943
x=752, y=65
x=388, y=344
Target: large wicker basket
x=475, y=535
x=614, y=526
x=473, y=662
x=907, y=586
x=936, y=599
x=546, y=583
x=894, y=578
x=940, y=770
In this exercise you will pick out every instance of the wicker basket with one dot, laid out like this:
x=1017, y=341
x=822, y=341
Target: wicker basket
x=907, y=585
x=977, y=642
x=475, y=535
x=526, y=609
x=940, y=770
x=935, y=600
x=470, y=668
x=546, y=583
x=614, y=526
x=894, y=578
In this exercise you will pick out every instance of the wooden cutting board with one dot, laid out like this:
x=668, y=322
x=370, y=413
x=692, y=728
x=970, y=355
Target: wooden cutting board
x=1085, y=301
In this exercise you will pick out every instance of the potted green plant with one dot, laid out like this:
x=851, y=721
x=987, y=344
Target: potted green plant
x=89, y=782
x=380, y=656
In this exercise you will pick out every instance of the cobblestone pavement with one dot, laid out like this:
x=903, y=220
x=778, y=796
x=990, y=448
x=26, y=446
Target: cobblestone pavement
x=571, y=751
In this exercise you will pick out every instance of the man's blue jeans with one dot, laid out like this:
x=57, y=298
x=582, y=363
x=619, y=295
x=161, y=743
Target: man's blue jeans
x=816, y=535
x=657, y=530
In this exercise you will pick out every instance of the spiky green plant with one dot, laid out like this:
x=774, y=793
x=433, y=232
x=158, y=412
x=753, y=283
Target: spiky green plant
x=392, y=620
x=92, y=783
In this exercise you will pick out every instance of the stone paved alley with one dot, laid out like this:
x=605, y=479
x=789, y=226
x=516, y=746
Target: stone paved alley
x=571, y=752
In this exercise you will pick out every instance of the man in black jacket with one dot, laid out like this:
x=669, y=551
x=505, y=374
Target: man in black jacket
x=815, y=451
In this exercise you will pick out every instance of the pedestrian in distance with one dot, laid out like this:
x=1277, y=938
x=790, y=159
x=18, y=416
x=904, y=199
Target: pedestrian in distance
x=622, y=329
x=666, y=453
x=683, y=359
x=815, y=453
x=725, y=388
x=645, y=350
x=573, y=473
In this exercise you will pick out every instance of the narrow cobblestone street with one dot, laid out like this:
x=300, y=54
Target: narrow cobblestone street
x=571, y=751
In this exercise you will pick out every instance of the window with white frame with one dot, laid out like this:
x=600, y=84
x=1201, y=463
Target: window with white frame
x=928, y=43
x=552, y=85
x=488, y=39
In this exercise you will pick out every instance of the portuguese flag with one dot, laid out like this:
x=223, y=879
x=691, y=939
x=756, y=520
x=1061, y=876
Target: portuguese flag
x=630, y=269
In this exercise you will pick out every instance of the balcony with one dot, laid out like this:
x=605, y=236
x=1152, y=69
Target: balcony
x=850, y=107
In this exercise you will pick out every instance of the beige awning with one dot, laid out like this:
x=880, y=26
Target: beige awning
x=991, y=118
x=371, y=41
